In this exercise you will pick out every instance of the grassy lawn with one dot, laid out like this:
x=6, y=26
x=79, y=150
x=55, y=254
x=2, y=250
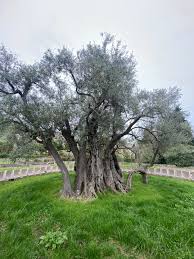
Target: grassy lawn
x=152, y=221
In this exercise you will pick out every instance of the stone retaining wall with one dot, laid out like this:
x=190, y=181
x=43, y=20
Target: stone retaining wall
x=25, y=164
x=20, y=173
x=183, y=173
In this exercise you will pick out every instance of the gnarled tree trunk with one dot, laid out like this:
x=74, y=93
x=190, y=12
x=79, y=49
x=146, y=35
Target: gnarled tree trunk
x=98, y=173
x=97, y=168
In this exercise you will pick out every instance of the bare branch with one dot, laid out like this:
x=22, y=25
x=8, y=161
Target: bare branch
x=148, y=130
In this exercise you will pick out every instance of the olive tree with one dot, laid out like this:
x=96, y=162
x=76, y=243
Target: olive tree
x=91, y=98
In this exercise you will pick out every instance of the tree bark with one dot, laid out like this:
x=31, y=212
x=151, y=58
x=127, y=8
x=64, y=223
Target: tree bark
x=116, y=163
x=143, y=172
x=129, y=181
x=144, y=177
x=81, y=173
x=73, y=146
x=154, y=156
x=97, y=167
x=98, y=173
x=71, y=143
x=67, y=190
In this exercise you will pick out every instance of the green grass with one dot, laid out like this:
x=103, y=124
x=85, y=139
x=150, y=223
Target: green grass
x=152, y=221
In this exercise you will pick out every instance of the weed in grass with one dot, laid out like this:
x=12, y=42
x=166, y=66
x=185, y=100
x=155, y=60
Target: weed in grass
x=53, y=239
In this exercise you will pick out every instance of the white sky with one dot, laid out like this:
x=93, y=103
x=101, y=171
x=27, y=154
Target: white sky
x=159, y=32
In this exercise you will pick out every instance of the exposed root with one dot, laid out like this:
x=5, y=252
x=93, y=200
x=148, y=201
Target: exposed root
x=143, y=173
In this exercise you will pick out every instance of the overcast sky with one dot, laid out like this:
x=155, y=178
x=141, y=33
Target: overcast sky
x=159, y=32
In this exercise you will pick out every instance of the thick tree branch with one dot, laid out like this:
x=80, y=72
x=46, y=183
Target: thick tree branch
x=77, y=87
x=16, y=91
x=67, y=134
x=148, y=130
x=117, y=137
x=11, y=85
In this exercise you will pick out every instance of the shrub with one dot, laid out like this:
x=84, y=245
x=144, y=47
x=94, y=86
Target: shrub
x=181, y=155
x=4, y=155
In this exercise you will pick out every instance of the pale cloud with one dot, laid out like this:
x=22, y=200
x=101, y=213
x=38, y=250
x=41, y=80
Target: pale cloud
x=160, y=32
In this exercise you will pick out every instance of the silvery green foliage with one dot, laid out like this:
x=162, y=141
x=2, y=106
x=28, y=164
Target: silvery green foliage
x=23, y=99
x=97, y=83
x=102, y=81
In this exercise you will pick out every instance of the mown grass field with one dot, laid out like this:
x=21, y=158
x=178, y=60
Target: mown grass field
x=152, y=221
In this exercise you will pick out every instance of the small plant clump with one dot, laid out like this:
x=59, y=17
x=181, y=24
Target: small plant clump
x=53, y=239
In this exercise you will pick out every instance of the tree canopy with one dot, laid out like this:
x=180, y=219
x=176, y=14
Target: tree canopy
x=91, y=98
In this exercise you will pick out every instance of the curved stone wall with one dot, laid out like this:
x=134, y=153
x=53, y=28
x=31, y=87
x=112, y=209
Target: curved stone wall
x=183, y=173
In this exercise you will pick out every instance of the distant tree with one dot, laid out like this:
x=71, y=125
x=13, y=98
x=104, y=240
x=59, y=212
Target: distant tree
x=89, y=97
x=5, y=148
x=23, y=147
x=170, y=131
x=5, y=145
